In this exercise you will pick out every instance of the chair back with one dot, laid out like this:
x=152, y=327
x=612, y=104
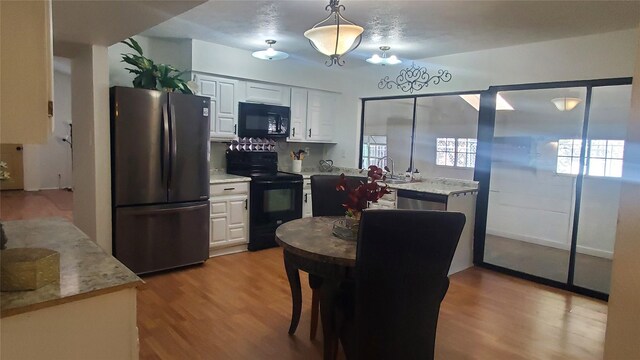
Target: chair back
x=326, y=200
x=402, y=262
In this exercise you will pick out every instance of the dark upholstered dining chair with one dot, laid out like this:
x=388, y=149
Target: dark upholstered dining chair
x=326, y=201
x=402, y=261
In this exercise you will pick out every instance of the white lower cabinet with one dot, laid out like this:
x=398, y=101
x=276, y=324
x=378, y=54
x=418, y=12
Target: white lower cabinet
x=307, y=210
x=229, y=217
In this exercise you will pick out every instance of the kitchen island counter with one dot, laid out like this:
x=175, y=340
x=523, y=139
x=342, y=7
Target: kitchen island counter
x=89, y=314
x=85, y=269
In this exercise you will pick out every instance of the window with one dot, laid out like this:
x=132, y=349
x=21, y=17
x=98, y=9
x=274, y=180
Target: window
x=374, y=148
x=604, y=157
x=456, y=152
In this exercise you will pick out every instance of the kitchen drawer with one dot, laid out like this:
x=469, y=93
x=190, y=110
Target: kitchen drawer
x=229, y=189
x=307, y=184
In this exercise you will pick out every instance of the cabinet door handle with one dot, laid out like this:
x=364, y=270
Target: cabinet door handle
x=229, y=189
x=309, y=132
x=294, y=132
x=235, y=128
x=246, y=204
x=305, y=197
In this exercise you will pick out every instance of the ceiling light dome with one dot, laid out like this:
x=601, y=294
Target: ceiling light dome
x=270, y=53
x=384, y=60
x=334, y=36
x=566, y=103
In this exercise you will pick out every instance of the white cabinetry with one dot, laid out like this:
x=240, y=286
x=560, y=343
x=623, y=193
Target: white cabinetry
x=224, y=105
x=312, y=113
x=26, y=105
x=267, y=93
x=229, y=216
x=307, y=209
x=298, y=114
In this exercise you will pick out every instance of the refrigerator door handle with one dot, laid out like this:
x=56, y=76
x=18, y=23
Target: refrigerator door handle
x=174, y=144
x=165, y=144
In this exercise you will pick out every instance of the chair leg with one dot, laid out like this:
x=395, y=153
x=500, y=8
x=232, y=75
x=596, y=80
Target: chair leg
x=315, y=306
x=296, y=293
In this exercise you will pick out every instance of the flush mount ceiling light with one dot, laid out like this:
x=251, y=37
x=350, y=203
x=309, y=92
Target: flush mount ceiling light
x=566, y=103
x=384, y=60
x=334, y=36
x=270, y=53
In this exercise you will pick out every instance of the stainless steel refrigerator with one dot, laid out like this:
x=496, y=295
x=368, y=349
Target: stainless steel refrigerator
x=159, y=178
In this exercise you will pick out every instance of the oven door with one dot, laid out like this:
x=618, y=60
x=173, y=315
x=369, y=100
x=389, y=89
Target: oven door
x=273, y=202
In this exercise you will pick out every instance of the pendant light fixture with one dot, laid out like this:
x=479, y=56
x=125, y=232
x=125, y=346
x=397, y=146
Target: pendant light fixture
x=383, y=60
x=270, y=53
x=566, y=103
x=334, y=36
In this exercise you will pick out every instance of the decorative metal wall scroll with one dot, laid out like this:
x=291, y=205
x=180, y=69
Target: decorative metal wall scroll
x=414, y=79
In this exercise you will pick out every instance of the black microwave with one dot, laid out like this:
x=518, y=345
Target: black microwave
x=263, y=121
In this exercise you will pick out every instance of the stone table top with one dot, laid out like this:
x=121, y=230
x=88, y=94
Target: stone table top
x=85, y=269
x=312, y=238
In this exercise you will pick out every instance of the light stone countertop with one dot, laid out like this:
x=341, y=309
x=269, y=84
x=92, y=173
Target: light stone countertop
x=440, y=186
x=223, y=178
x=85, y=269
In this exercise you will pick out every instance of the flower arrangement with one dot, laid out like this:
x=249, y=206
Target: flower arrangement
x=359, y=198
x=150, y=75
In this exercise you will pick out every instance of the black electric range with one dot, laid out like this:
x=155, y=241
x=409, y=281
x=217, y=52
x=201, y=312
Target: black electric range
x=275, y=196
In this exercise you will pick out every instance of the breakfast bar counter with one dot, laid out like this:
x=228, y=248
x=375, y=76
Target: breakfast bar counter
x=89, y=314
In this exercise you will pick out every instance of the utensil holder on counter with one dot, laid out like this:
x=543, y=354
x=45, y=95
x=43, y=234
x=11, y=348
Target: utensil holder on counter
x=296, y=166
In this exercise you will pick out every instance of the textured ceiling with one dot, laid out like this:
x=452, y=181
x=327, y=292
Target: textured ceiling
x=413, y=29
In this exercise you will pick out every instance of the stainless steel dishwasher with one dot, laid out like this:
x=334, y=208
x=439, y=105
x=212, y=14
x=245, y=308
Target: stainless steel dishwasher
x=416, y=200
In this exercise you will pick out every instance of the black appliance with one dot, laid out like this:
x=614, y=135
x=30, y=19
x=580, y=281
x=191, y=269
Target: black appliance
x=275, y=197
x=263, y=121
x=159, y=178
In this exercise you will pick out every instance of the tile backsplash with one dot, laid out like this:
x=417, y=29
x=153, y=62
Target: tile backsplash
x=217, y=159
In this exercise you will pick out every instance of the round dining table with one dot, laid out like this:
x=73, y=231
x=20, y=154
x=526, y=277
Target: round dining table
x=309, y=245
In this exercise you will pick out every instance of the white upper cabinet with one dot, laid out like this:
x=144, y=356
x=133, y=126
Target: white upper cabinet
x=267, y=93
x=312, y=115
x=224, y=105
x=26, y=105
x=298, y=114
x=321, y=109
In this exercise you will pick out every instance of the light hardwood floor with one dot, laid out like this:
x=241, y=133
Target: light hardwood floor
x=239, y=306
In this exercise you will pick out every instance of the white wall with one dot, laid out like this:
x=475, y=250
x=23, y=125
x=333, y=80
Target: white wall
x=48, y=166
x=91, y=144
x=623, y=325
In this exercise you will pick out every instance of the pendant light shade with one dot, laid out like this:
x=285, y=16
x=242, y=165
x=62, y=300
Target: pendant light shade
x=334, y=36
x=270, y=53
x=566, y=103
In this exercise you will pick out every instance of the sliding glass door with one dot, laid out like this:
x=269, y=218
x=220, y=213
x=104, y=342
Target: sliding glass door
x=530, y=210
x=599, y=199
x=549, y=173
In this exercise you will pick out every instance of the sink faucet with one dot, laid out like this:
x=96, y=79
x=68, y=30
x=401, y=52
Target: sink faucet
x=389, y=159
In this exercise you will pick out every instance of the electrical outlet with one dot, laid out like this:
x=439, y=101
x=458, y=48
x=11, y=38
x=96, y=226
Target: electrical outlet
x=307, y=151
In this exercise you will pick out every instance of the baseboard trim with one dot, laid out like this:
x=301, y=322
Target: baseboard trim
x=553, y=244
x=227, y=250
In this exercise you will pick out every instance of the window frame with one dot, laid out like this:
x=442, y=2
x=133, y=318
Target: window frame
x=576, y=145
x=456, y=152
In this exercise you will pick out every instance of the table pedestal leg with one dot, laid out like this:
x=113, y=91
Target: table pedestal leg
x=328, y=297
x=296, y=292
